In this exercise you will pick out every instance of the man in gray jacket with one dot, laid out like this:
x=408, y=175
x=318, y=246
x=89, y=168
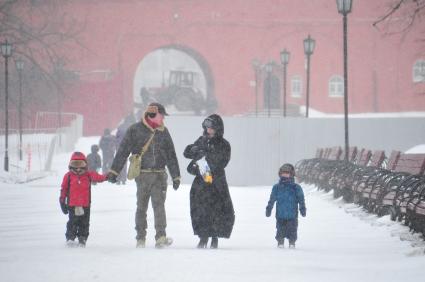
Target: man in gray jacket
x=152, y=181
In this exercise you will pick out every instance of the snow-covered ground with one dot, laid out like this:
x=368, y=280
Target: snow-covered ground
x=337, y=241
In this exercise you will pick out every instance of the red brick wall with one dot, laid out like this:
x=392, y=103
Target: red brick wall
x=229, y=34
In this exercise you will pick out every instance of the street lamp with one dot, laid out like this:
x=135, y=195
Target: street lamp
x=256, y=64
x=284, y=58
x=58, y=73
x=20, y=66
x=269, y=69
x=344, y=8
x=6, y=51
x=309, y=44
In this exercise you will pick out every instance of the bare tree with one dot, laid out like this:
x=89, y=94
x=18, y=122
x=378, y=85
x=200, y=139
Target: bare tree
x=401, y=15
x=42, y=33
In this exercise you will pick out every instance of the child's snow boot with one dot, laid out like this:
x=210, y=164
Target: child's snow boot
x=70, y=243
x=82, y=242
x=280, y=243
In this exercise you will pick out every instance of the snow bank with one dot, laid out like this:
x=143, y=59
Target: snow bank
x=419, y=149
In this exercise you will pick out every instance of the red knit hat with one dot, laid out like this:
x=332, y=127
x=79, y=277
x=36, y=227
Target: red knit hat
x=78, y=159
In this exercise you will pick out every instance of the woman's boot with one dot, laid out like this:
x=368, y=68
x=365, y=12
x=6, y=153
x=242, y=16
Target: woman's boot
x=202, y=242
x=214, y=243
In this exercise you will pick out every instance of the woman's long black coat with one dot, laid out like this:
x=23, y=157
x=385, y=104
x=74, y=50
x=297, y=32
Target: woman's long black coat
x=211, y=207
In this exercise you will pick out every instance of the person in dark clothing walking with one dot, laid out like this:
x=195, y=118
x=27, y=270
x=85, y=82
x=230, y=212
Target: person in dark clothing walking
x=122, y=128
x=94, y=162
x=289, y=196
x=211, y=207
x=107, y=144
x=152, y=181
x=75, y=198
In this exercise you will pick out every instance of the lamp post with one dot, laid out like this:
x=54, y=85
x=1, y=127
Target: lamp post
x=256, y=64
x=269, y=69
x=284, y=58
x=344, y=8
x=309, y=44
x=58, y=72
x=20, y=66
x=6, y=51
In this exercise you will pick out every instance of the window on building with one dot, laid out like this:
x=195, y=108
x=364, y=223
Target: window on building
x=336, y=86
x=296, y=86
x=419, y=71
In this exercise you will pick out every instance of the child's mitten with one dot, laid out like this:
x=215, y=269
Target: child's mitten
x=64, y=206
x=268, y=211
x=303, y=212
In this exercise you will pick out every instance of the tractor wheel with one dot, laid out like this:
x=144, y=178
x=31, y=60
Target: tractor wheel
x=183, y=99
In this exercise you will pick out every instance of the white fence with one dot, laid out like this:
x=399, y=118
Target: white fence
x=41, y=143
x=261, y=145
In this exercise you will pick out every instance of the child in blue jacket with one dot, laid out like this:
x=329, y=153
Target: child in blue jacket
x=289, y=197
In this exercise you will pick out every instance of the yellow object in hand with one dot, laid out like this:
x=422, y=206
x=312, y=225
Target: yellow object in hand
x=208, y=178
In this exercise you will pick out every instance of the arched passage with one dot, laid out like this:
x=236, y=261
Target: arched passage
x=177, y=76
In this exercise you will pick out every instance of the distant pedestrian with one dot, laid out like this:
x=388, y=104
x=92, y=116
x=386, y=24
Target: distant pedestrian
x=107, y=144
x=290, y=197
x=75, y=198
x=94, y=162
x=119, y=136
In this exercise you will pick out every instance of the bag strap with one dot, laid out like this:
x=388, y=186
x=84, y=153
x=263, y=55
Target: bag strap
x=145, y=147
x=68, y=191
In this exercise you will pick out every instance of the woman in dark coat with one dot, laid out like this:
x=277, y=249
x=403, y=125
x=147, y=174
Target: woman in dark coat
x=211, y=207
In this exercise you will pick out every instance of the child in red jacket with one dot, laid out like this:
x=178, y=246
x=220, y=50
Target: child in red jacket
x=75, y=198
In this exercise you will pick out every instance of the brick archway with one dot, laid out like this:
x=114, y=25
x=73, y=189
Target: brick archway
x=204, y=68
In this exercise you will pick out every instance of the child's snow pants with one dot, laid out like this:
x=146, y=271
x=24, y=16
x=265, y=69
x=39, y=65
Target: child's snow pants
x=286, y=228
x=78, y=226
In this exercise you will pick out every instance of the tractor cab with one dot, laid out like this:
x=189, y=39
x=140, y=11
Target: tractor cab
x=181, y=78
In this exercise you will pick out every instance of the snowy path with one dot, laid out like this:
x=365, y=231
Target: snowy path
x=333, y=244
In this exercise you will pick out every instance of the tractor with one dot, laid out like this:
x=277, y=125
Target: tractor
x=180, y=92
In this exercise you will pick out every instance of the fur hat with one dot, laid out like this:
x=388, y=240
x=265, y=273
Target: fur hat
x=78, y=159
x=215, y=122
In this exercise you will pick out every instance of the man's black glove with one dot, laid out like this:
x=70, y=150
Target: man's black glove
x=268, y=211
x=197, y=152
x=303, y=212
x=111, y=177
x=64, y=207
x=176, y=184
x=194, y=149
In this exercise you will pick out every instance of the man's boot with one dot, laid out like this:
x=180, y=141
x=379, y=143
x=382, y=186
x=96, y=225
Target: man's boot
x=163, y=241
x=141, y=243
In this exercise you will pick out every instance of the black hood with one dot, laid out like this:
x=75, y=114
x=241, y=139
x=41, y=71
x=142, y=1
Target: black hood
x=218, y=125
